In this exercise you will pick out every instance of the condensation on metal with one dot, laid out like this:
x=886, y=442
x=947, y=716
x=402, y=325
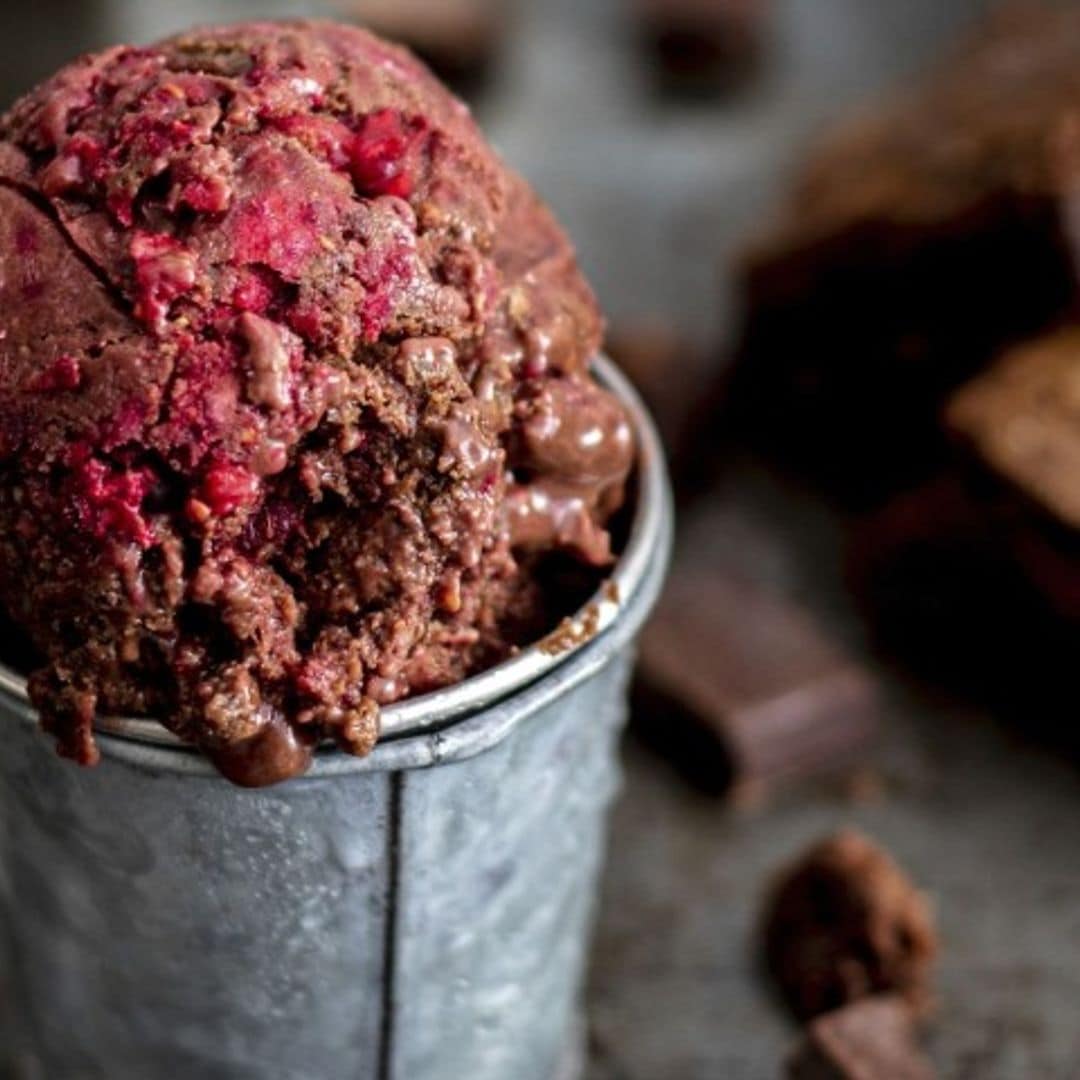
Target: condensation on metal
x=376, y=920
x=431, y=711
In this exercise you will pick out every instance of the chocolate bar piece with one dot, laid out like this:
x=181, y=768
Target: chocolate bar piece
x=739, y=685
x=845, y=922
x=871, y=1039
x=703, y=47
x=919, y=240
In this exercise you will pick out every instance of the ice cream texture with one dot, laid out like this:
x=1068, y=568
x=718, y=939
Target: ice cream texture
x=294, y=393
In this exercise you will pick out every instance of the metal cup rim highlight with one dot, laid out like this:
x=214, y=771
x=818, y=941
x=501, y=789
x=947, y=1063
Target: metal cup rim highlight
x=435, y=727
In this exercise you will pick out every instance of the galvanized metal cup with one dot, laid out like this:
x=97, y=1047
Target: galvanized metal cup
x=421, y=913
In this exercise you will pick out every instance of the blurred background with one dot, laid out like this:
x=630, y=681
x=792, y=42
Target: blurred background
x=859, y=630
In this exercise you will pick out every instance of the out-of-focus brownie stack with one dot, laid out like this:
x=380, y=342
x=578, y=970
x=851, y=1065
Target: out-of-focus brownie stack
x=911, y=347
x=1020, y=422
x=920, y=239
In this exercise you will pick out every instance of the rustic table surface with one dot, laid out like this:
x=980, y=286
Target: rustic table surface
x=981, y=818
x=657, y=197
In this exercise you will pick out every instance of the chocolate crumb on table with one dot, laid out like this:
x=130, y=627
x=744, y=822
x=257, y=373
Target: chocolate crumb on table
x=740, y=686
x=845, y=922
x=871, y=1039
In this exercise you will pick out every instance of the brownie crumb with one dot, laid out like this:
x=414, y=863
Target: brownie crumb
x=845, y=922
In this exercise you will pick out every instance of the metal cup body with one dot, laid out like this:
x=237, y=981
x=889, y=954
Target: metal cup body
x=395, y=922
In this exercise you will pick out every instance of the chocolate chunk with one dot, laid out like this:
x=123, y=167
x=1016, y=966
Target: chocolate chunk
x=703, y=47
x=845, y=922
x=745, y=686
x=919, y=240
x=871, y=1039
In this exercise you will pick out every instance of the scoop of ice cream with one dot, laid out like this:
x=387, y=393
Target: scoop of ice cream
x=294, y=392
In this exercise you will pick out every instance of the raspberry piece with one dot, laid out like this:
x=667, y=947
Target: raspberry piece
x=107, y=503
x=384, y=153
x=164, y=270
x=228, y=487
x=64, y=373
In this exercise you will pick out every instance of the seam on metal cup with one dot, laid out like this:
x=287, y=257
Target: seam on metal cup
x=443, y=725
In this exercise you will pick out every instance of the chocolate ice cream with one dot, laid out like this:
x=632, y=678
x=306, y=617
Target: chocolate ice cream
x=294, y=393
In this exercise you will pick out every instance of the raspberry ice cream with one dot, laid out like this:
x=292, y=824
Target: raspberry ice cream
x=294, y=393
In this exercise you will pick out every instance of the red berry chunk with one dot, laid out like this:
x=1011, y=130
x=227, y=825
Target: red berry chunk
x=384, y=153
x=228, y=487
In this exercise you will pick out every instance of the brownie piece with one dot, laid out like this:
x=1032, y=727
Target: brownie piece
x=845, y=922
x=1020, y=423
x=871, y=1039
x=973, y=579
x=976, y=589
x=703, y=48
x=1021, y=418
x=742, y=686
x=919, y=239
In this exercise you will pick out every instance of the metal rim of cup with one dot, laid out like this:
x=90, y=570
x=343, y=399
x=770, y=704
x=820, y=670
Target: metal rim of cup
x=505, y=693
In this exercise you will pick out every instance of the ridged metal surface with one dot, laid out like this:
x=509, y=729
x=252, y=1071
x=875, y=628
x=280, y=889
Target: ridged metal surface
x=420, y=914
